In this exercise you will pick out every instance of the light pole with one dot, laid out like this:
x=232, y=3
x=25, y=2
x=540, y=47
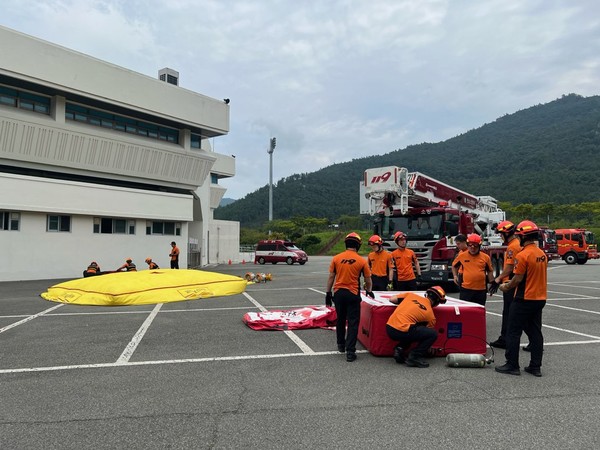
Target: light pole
x=272, y=144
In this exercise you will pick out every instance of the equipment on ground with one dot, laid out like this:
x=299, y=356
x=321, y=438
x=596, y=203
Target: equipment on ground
x=467, y=360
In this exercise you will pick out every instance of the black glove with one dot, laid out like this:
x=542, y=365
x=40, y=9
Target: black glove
x=493, y=288
x=418, y=277
x=329, y=299
x=370, y=294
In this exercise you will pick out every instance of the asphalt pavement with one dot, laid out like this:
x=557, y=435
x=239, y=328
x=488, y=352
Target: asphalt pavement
x=192, y=375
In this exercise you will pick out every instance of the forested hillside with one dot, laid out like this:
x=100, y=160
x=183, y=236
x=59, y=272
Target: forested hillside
x=544, y=154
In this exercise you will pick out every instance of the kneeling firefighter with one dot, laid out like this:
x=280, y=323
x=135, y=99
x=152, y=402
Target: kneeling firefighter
x=413, y=321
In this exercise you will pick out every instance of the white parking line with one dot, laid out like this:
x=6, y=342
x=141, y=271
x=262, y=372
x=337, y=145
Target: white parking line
x=582, y=296
x=137, y=337
x=28, y=318
x=168, y=361
x=554, y=305
x=299, y=342
x=214, y=359
x=556, y=328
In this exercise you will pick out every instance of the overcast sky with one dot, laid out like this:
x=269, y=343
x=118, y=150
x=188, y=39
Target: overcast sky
x=335, y=80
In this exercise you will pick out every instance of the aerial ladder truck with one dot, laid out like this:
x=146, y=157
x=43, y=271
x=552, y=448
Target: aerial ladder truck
x=431, y=213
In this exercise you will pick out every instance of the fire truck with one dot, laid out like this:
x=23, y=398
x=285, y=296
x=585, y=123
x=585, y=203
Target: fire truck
x=576, y=245
x=547, y=242
x=431, y=213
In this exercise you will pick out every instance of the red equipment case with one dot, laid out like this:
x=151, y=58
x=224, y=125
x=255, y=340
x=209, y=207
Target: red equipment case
x=460, y=325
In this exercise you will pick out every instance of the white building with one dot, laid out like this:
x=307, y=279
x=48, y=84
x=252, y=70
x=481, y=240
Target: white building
x=101, y=163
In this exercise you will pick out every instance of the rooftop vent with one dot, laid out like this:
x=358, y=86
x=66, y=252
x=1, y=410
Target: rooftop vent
x=169, y=76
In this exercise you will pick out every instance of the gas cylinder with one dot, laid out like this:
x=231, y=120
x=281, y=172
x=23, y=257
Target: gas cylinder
x=466, y=360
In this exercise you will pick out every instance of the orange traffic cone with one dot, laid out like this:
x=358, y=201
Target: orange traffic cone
x=229, y=262
x=243, y=261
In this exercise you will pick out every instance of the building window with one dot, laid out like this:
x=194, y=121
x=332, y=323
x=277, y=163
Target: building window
x=24, y=100
x=109, y=225
x=214, y=179
x=196, y=141
x=59, y=223
x=124, y=124
x=9, y=221
x=163, y=228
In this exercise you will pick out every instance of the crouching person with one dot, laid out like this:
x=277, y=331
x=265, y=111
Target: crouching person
x=413, y=321
x=92, y=270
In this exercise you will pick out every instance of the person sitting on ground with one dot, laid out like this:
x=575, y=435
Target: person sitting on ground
x=413, y=321
x=151, y=264
x=92, y=270
x=129, y=266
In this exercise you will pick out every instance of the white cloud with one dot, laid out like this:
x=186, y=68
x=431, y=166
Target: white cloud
x=339, y=79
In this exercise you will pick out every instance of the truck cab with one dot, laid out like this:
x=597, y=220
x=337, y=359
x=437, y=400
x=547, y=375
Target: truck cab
x=575, y=245
x=547, y=242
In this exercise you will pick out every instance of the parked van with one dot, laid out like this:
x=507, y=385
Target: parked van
x=274, y=251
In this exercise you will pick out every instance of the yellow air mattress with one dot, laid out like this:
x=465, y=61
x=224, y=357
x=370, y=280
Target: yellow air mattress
x=145, y=287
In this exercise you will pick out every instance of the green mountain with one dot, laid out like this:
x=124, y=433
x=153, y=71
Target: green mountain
x=226, y=201
x=547, y=153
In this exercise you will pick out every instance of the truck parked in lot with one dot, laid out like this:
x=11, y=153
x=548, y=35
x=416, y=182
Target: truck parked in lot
x=431, y=213
x=547, y=242
x=576, y=245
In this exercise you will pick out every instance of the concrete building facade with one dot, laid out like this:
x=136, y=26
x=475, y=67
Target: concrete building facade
x=100, y=163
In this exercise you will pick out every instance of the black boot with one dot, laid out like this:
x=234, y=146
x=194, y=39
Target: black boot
x=416, y=361
x=399, y=355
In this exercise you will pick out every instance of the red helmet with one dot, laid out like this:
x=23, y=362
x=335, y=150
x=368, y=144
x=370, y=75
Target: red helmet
x=473, y=238
x=375, y=239
x=399, y=235
x=353, y=240
x=438, y=292
x=526, y=227
x=506, y=226
x=354, y=236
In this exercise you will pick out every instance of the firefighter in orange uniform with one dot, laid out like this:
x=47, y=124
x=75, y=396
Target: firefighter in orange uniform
x=507, y=230
x=345, y=271
x=92, y=270
x=476, y=271
x=461, y=246
x=129, y=266
x=413, y=321
x=530, y=284
x=406, y=264
x=380, y=263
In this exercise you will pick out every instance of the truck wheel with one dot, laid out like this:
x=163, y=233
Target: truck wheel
x=570, y=258
x=302, y=263
x=261, y=260
x=582, y=261
x=289, y=261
